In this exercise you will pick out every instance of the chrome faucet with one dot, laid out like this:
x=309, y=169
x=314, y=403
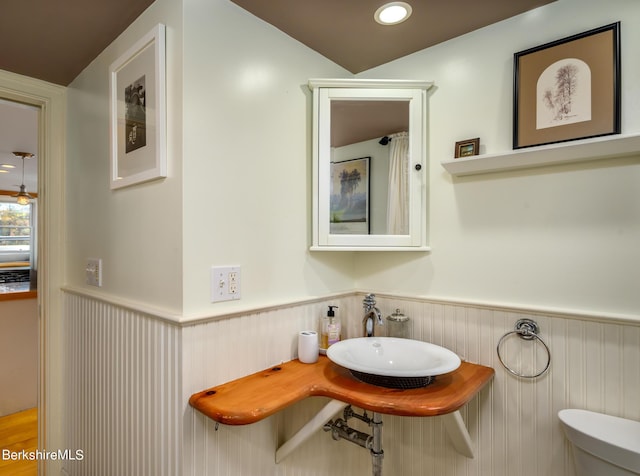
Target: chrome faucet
x=372, y=316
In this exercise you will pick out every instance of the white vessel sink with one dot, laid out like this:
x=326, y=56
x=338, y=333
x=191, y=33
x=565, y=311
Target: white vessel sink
x=393, y=362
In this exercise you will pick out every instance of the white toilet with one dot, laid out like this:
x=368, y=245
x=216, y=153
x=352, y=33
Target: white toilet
x=602, y=445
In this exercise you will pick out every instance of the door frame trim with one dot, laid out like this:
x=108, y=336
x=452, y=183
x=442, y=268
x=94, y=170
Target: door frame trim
x=51, y=100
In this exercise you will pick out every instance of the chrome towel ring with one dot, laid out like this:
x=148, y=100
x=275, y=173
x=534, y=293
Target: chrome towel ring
x=526, y=329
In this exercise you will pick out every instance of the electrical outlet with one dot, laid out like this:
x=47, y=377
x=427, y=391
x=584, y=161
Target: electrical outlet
x=93, y=272
x=225, y=283
x=234, y=284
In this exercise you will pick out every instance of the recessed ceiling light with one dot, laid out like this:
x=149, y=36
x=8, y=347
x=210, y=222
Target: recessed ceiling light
x=4, y=171
x=393, y=13
x=8, y=166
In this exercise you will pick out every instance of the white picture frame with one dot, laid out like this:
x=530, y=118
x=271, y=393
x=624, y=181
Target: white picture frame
x=137, y=90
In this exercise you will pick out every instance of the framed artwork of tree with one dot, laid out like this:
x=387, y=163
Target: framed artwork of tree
x=350, y=196
x=568, y=89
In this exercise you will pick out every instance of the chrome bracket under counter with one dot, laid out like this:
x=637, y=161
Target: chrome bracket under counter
x=254, y=397
x=453, y=423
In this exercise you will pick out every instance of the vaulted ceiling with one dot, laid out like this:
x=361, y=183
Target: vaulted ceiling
x=54, y=40
x=345, y=30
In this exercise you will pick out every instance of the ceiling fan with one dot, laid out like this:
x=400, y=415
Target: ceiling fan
x=23, y=198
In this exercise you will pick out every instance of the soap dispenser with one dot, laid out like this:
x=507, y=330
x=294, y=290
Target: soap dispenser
x=331, y=330
x=335, y=327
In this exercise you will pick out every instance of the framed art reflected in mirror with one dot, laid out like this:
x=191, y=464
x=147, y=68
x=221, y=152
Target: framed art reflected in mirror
x=349, y=200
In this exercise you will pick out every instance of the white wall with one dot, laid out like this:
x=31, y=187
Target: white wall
x=239, y=162
x=18, y=355
x=247, y=146
x=137, y=231
x=557, y=237
x=239, y=169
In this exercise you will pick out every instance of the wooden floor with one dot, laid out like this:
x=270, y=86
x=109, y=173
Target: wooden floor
x=18, y=432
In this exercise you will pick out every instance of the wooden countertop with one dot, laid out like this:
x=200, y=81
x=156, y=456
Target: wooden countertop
x=17, y=295
x=14, y=264
x=254, y=397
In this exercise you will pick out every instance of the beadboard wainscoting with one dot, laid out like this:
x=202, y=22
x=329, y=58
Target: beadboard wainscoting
x=130, y=377
x=123, y=390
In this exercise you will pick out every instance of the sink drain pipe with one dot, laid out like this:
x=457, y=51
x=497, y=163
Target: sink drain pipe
x=340, y=429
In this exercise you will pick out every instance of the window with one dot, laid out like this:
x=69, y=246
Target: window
x=17, y=245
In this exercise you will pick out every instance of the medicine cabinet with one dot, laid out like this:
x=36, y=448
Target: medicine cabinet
x=369, y=165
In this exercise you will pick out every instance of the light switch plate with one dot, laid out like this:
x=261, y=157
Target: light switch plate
x=225, y=283
x=93, y=272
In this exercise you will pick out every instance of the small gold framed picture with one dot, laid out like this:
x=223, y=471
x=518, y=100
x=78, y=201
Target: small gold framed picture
x=468, y=147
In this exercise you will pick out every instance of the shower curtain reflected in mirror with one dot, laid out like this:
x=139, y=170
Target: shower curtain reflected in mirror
x=398, y=202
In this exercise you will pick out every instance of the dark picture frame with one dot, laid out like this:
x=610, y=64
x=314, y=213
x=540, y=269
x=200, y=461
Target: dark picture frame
x=468, y=147
x=568, y=89
x=349, y=197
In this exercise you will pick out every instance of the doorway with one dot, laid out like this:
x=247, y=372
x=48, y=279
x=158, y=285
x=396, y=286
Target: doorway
x=19, y=346
x=50, y=101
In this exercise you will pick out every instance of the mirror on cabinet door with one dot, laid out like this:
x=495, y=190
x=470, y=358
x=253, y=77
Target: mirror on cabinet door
x=369, y=164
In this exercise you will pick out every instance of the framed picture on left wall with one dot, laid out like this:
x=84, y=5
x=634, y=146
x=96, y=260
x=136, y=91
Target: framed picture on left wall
x=137, y=86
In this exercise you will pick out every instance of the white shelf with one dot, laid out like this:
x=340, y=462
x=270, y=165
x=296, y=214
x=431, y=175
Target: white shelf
x=606, y=147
